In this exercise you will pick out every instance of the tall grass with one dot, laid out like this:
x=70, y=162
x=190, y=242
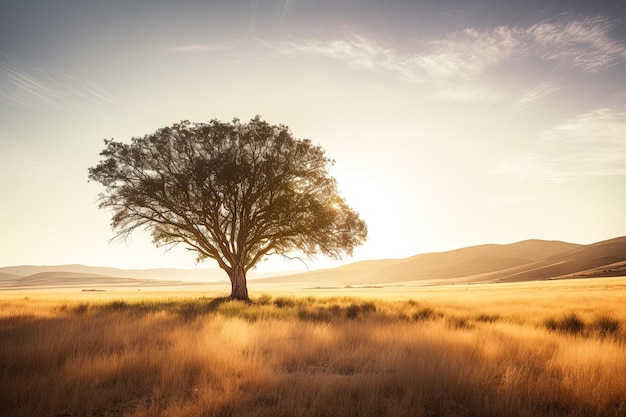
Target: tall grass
x=305, y=356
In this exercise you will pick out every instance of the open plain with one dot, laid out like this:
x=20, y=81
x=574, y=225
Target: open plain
x=546, y=348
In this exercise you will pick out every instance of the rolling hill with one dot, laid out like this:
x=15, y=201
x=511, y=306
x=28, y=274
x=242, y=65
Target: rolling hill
x=606, y=258
x=63, y=279
x=168, y=274
x=522, y=261
x=88, y=277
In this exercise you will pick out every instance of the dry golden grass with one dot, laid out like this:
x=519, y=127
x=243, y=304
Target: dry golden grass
x=508, y=350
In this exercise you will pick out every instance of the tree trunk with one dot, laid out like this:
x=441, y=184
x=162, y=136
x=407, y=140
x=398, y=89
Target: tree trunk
x=239, y=285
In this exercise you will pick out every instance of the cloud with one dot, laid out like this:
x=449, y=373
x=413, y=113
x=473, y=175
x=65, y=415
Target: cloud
x=590, y=145
x=473, y=93
x=288, y=5
x=466, y=54
x=469, y=54
x=27, y=86
x=536, y=93
x=354, y=50
x=465, y=60
x=462, y=56
x=20, y=164
x=581, y=43
x=195, y=47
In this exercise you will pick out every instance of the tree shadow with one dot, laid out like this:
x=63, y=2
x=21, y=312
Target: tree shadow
x=215, y=303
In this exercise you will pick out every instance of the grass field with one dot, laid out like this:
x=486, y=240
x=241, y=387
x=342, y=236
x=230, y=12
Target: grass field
x=532, y=349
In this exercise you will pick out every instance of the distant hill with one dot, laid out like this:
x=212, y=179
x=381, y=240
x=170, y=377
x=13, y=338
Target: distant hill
x=88, y=277
x=205, y=274
x=464, y=262
x=4, y=276
x=81, y=276
x=602, y=259
x=522, y=261
x=74, y=280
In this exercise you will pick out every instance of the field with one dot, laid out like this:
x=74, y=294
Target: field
x=555, y=348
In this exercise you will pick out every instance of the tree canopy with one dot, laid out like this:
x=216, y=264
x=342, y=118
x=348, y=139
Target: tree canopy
x=234, y=192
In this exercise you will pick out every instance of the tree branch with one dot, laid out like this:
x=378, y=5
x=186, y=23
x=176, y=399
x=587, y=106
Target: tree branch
x=291, y=258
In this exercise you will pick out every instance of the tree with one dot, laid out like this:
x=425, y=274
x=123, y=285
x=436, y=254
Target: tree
x=234, y=192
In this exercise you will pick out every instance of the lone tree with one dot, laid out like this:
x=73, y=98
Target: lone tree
x=234, y=192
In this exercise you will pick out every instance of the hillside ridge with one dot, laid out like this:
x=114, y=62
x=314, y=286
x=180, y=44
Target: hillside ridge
x=527, y=260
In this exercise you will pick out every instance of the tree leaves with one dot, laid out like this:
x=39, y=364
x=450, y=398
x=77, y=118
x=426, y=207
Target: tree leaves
x=233, y=192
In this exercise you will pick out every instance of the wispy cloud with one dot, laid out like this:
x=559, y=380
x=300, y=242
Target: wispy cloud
x=465, y=58
x=466, y=54
x=536, y=93
x=462, y=56
x=196, y=47
x=472, y=93
x=582, y=43
x=27, y=86
x=592, y=144
x=20, y=164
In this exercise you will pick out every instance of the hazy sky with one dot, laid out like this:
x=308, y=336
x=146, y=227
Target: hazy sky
x=452, y=123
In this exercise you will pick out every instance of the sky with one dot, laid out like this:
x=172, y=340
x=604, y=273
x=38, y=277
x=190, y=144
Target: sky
x=452, y=123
